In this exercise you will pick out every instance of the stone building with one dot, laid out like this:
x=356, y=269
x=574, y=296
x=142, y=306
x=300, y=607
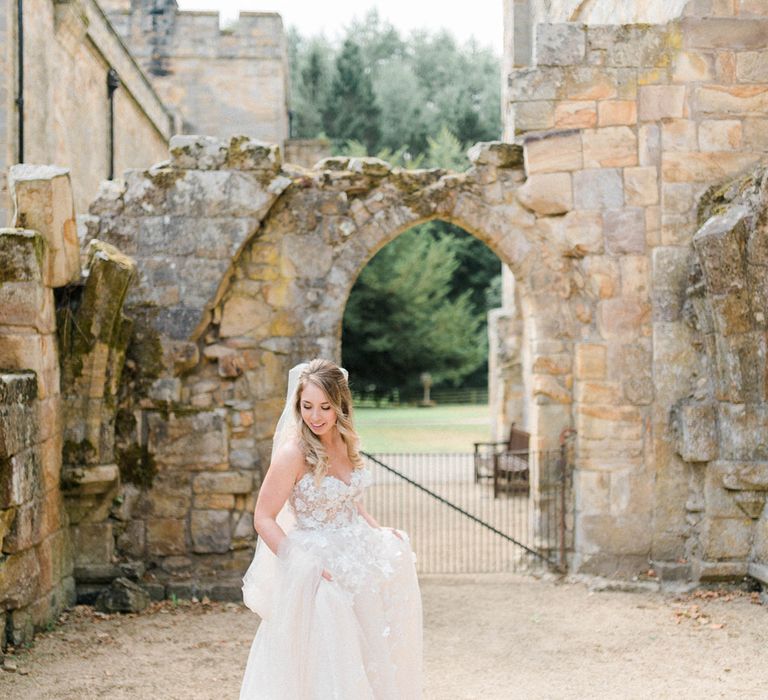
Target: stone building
x=100, y=86
x=629, y=204
x=223, y=83
x=73, y=95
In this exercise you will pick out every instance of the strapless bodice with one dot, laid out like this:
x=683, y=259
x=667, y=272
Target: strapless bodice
x=329, y=503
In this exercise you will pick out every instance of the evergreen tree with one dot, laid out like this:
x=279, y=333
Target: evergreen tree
x=351, y=111
x=401, y=321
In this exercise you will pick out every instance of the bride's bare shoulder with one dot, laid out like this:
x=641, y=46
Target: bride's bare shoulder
x=289, y=456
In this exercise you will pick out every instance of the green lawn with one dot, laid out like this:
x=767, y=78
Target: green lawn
x=411, y=429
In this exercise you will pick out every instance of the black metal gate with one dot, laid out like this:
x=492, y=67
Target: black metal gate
x=460, y=521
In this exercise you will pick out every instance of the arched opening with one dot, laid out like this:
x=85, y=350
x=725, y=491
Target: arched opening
x=454, y=469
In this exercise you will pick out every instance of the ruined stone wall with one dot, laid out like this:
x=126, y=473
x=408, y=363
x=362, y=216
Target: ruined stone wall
x=62, y=348
x=244, y=267
x=626, y=127
x=224, y=83
x=68, y=49
x=721, y=426
x=36, y=559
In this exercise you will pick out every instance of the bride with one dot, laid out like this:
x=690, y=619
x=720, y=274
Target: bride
x=340, y=603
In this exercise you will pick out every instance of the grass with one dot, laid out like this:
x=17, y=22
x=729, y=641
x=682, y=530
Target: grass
x=413, y=429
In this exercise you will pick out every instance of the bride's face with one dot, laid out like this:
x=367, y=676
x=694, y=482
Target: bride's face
x=316, y=410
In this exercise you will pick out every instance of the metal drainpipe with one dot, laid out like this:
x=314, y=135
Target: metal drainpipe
x=113, y=82
x=20, y=94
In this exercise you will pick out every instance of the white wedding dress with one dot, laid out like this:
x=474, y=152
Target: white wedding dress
x=357, y=637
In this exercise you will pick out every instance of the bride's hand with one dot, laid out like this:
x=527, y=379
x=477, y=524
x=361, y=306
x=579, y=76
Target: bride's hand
x=327, y=575
x=395, y=532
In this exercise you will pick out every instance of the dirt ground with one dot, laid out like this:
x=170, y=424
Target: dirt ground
x=486, y=637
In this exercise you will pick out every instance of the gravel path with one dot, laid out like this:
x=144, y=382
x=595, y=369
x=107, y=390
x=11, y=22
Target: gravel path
x=486, y=637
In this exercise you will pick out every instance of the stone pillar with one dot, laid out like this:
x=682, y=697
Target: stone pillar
x=36, y=571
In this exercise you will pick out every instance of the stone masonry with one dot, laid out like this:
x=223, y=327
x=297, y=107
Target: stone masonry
x=223, y=83
x=631, y=213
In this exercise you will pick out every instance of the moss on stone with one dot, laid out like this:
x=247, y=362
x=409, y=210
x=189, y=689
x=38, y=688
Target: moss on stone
x=164, y=178
x=78, y=454
x=137, y=465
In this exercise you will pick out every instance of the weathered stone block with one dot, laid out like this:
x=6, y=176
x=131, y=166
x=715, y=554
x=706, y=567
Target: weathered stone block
x=696, y=431
x=20, y=477
x=603, y=275
x=609, y=147
x=720, y=135
x=214, y=501
x=598, y=392
x=24, y=298
x=19, y=578
x=649, y=144
x=132, y=541
x=560, y=44
x=670, y=266
x=625, y=535
x=496, y=153
x=592, y=492
x=736, y=100
x=18, y=414
x=170, y=495
x=42, y=196
x=753, y=8
x=661, y=102
x=582, y=231
x=575, y=115
x=679, y=135
x=590, y=361
x=547, y=193
x=692, y=66
x=623, y=319
x=726, y=538
x=755, y=134
x=591, y=83
x=624, y=231
x=26, y=528
x=197, y=152
x=166, y=536
x=527, y=84
x=246, y=153
x=617, y=113
x=749, y=476
x=211, y=531
x=549, y=389
x=92, y=543
x=641, y=186
x=195, y=440
x=122, y=596
x=533, y=116
x=600, y=188
x=555, y=152
x=720, y=246
x=724, y=33
x=36, y=353
x=223, y=482
x=704, y=167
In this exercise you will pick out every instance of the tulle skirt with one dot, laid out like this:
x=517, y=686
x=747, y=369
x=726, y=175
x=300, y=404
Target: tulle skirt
x=358, y=637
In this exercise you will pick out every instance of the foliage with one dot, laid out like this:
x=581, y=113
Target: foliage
x=418, y=85
x=414, y=101
x=350, y=110
x=402, y=319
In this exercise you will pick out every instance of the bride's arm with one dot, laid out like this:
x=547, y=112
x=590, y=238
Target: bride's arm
x=373, y=522
x=366, y=515
x=275, y=489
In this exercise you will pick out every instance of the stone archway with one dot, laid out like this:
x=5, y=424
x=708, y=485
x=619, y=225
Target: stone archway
x=245, y=267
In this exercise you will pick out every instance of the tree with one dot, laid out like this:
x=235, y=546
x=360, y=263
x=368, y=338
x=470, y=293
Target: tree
x=401, y=321
x=350, y=110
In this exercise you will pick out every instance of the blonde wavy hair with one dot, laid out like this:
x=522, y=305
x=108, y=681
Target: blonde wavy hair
x=328, y=377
